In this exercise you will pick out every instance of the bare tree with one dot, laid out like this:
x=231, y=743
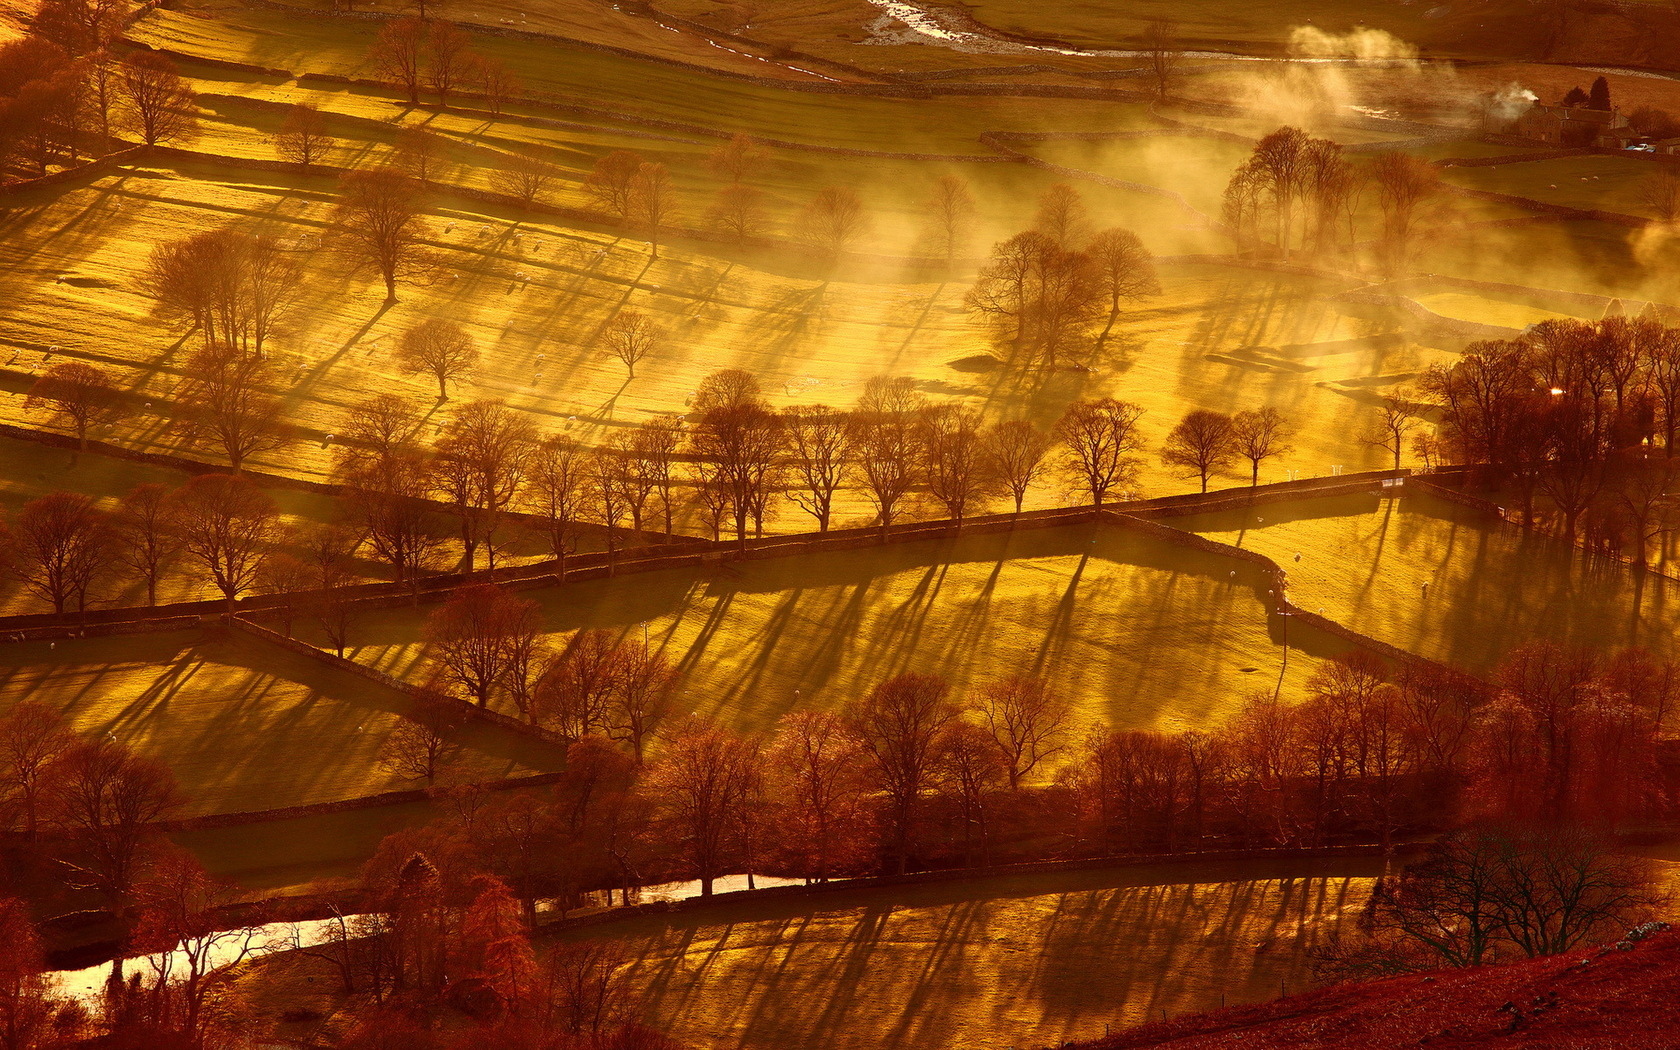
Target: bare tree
x=1404, y=184
x=1016, y=452
x=898, y=726
x=227, y=399
x=378, y=427
x=110, y=803
x=79, y=392
x=558, y=491
x=730, y=388
x=576, y=691
x=1125, y=270
x=1258, y=436
x=643, y=695
x=630, y=336
x=474, y=639
x=1161, y=47
x=481, y=461
x=156, y=102
x=969, y=769
x=302, y=138
x=1062, y=217
x=59, y=545
x=447, y=57
x=398, y=55
x=388, y=496
x=819, y=793
x=744, y=442
x=738, y=212
x=1395, y=420
x=499, y=84
x=884, y=441
x=232, y=286
x=418, y=151
x=654, y=446
x=417, y=750
x=440, y=348
x=526, y=178
x=954, y=462
x=1026, y=721
x=736, y=160
x=1098, y=439
x=704, y=780
x=651, y=201
x=145, y=539
x=604, y=494
x=950, y=216
x=1201, y=445
x=833, y=221
x=1659, y=192
x=379, y=223
x=820, y=442
x=611, y=182
x=33, y=738
x=227, y=525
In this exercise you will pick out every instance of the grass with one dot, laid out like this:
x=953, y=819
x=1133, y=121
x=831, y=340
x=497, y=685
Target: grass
x=242, y=724
x=988, y=964
x=1364, y=563
x=1135, y=632
x=1596, y=182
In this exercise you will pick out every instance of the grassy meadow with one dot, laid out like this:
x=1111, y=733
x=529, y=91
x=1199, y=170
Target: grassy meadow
x=242, y=724
x=1135, y=632
x=1447, y=582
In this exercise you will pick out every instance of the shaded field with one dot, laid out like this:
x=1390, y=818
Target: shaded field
x=243, y=725
x=1490, y=587
x=1137, y=633
x=1601, y=183
x=1027, y=960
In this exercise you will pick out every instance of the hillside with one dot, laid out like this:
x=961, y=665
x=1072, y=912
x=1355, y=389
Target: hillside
x=1591, y=998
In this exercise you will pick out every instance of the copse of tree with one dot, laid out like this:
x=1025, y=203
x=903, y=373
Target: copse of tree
x=79, y=26
x=1039, y=297
x=379, y=223
x=110, y=802
x=820, y=795
x=898, y=726
x=41, y=104
x=1290, y=175
x=1125, y=271
x=440, y=348
x=705, y=781
x=740, y=444
x=232, y=287
x=59, y=545
x=80, y=393
x=302, y=138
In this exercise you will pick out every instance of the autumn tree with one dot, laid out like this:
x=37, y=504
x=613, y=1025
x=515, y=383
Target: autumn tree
x=1026, y=722
x=440, y=348
x=815, y=771
x=738, y=212
x=302, y=138
x=576, y=690
x=1016, y=452
x=1062, y=217
x=630, y=336
x=703, y=781
x=950, y=211
x=1201, y=445
x=833, y=221
x=28, y=1009
x=611, y=183
x=1038, y=296
x=1098, y=438
x=157, y=103
x=378, y=222
x=227, y=525
x=475, y=637
x=1659, y=192
x=228, y=401
x=59, y=545
x=1258, y=435
x=234, y=287
x=81, y=393
x=968, y=769
x=819, y=442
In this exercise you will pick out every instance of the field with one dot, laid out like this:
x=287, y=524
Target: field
x=243, y=725
x=992, y=963
x=1446, y=582
x=1135, y=632
x=1601, y=183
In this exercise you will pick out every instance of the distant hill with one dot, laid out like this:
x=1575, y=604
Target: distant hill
x=1620, y=997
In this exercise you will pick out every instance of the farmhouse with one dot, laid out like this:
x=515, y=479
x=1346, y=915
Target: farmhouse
x=1574, y=126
